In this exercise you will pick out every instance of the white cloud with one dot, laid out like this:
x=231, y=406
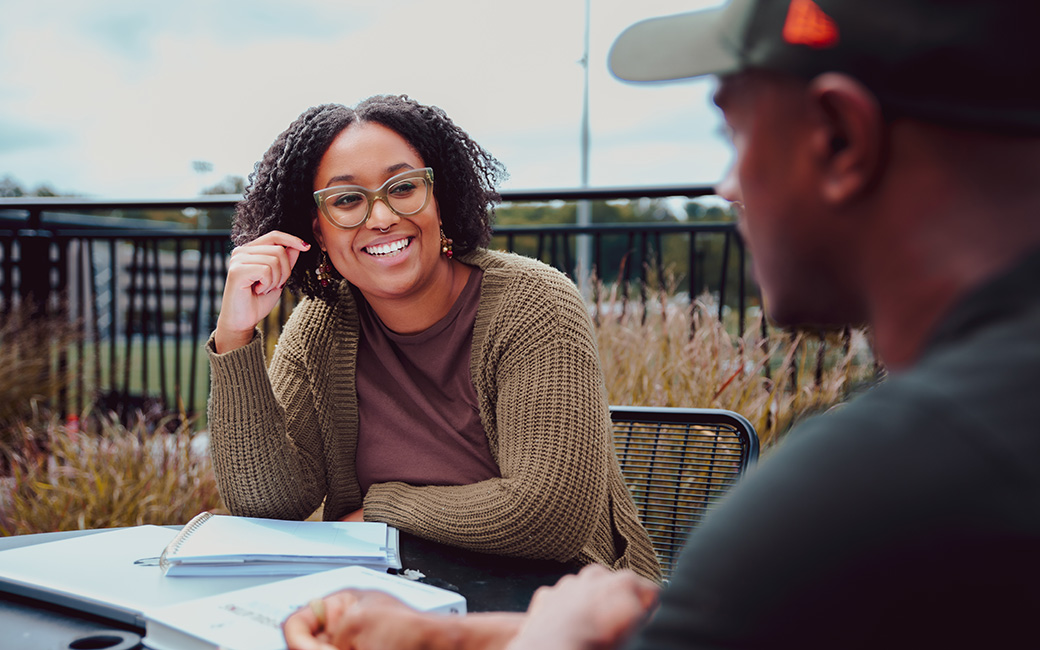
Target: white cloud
x=116, y=98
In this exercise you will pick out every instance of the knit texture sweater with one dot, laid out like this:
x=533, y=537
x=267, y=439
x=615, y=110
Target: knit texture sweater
x=283, y=438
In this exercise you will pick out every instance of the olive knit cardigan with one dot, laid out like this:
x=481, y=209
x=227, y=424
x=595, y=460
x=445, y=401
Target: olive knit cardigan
x=284, y=438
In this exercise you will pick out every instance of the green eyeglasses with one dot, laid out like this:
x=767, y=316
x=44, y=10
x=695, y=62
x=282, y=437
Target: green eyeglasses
x=349, y=206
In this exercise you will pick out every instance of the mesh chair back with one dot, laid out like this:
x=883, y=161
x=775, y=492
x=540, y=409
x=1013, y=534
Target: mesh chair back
x=677, y=462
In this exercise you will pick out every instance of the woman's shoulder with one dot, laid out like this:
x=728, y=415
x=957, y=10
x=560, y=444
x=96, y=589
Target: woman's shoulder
x=524, y=293
x=519, y=273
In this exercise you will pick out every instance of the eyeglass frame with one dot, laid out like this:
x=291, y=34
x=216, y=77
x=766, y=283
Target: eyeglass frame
x=373, y=195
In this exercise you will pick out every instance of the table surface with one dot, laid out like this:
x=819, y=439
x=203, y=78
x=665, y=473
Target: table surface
x=489, y=583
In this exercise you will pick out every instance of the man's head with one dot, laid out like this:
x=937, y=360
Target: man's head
x=815, y=96
x=960, y=62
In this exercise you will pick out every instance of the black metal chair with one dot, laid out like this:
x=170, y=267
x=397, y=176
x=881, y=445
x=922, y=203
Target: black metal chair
x=677, y=462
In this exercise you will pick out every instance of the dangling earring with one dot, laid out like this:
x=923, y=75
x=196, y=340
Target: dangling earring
x=446, y=243
x=324, y=270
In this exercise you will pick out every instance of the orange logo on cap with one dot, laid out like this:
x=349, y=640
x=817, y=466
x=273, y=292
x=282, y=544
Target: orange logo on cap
x=806, y=24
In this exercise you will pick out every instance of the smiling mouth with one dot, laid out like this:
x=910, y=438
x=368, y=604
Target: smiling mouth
x=394, y=247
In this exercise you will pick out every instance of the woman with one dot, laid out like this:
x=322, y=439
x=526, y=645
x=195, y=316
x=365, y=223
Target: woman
x=423, y=381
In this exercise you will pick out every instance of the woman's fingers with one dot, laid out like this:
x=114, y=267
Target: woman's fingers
x=257, y=272
x=282, y=239
x=264, y=268
x=282, y=249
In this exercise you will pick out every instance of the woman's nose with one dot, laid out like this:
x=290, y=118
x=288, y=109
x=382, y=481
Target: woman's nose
x=382, y=217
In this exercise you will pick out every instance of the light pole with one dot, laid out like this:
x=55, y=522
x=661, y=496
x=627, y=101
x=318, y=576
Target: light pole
x=584, y=211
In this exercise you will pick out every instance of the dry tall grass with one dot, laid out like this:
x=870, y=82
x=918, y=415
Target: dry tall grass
x=671, y=355
x=62, y=477
x=96, y=472
x=26, y=377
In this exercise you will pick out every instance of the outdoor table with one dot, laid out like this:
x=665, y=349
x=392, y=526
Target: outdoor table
x=489, y=583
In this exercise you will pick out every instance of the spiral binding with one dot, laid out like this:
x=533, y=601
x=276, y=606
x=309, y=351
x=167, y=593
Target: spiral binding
x=182, y=536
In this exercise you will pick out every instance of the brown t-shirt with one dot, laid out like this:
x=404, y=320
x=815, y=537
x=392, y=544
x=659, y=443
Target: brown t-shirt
x=419, y=419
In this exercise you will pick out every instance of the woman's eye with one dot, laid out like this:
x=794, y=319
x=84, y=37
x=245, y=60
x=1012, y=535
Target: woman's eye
x=404, y=188
x=347, y=201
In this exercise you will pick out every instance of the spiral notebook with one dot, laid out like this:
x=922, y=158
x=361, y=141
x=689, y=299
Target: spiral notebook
x=215, y=545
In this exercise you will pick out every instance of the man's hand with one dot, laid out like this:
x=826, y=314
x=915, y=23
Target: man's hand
x=356, y=619
x=373, y=620
x=597, y=608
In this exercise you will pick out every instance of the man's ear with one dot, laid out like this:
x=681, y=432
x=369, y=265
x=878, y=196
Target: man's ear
x=850, y=137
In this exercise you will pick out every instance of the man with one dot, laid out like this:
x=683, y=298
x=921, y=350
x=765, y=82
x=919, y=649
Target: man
x=887, y=171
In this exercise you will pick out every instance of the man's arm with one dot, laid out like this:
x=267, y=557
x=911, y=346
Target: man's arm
x=595, y=609
x=372, y=620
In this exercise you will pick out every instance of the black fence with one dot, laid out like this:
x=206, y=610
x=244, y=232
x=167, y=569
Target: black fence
x=141, y=301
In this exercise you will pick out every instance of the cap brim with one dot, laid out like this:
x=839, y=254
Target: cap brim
x=673, y=47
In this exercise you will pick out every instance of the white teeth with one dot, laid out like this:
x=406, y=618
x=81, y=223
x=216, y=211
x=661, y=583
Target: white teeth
x=387, y=249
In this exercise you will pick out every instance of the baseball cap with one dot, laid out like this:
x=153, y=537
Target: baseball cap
x=973, y=63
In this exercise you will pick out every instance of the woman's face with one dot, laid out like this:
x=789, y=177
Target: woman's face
x=404, y=260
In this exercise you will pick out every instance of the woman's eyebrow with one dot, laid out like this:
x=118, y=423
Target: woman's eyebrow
x=348, y=179
x=340, y=180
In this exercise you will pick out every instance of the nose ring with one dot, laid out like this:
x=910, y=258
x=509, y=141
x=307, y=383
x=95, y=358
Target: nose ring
x=383, y=229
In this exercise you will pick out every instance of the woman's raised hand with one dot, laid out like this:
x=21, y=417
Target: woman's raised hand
x=257, y=273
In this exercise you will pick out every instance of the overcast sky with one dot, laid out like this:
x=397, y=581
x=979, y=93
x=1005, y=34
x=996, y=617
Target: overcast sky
x=118, y=98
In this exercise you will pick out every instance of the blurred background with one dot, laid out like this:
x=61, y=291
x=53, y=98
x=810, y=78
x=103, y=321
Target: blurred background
x=128, y=130
x=130, y=99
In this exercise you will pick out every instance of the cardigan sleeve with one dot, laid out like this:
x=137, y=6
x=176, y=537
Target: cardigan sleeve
x=264, y=441
x=544, y=405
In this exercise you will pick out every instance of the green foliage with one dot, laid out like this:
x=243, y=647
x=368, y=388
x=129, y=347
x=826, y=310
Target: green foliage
x=11, y=189
x=228, y=185
x=218, y=218
x=624, y=259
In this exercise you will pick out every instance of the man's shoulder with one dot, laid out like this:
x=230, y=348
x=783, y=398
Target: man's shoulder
x=902, y=448
x=953, y=422
x=888, y=502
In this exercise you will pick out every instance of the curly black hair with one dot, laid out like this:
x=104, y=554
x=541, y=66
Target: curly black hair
x=279, y=195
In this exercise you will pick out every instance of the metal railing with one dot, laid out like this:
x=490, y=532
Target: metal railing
x=143, y=300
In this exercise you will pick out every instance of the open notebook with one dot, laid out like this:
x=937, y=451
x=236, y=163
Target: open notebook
x=97, y=574
x=250, y=619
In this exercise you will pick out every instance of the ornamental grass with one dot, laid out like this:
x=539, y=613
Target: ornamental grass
x=97, y=471
x=94, y=472
x=673, y=354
